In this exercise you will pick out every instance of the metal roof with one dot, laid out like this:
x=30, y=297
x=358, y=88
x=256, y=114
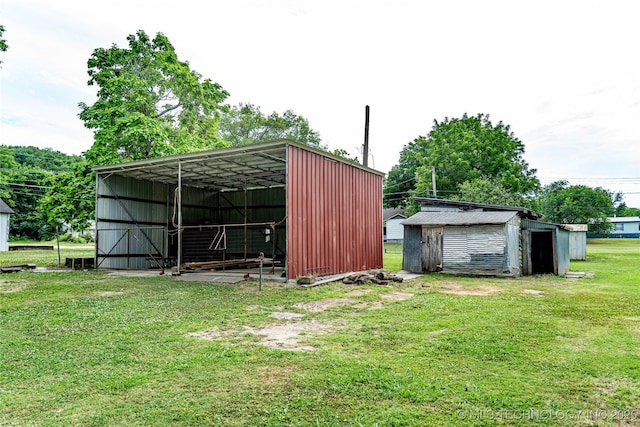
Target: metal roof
x=4, y=208
x=260, y=165
x=617, y=219
x=428, y=201
x=460, y=218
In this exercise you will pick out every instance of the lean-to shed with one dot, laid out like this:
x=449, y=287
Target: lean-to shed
x=577, y=241
x=5, y=214
x=473, y=238
x=304, y=209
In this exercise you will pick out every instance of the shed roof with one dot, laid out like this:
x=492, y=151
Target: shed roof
x=619, y=219
x=389, y=213
x=439, y=203
x=460, y=218
x=4, y=208
x=260, y=165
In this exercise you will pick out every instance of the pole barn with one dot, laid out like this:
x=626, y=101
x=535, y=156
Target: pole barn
x=304, y=210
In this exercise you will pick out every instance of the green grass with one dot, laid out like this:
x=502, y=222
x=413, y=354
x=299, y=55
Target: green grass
x=393, y=256
x=45, y=258
x=86, y=348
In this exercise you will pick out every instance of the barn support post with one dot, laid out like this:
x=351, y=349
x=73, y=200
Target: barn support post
x=179, y=190
x=245, y=220
x=97, y=222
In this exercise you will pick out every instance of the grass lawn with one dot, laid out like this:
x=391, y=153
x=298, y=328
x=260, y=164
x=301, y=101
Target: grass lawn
x=86, y=348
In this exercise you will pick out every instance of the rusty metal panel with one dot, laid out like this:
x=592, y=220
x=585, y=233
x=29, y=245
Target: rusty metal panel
x=334, y=215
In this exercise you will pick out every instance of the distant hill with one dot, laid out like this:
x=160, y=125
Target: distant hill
x=37, y=158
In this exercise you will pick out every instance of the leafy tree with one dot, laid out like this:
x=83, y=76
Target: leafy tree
x=467, y=149
x=623, y=210
x=3, y=42
x=24, y=176
x=71, y=200
x=402, y=177
x=245, y=124
x=488, y=191
x=578, y=204
x=149, y=103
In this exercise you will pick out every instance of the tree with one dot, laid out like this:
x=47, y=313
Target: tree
x=71, y=199
x=402, y=177
x=578, y=204
x=467, y=149
x=3, y=42
x=488, y=191
x=25, y=173
x=245, y=123
x=623, y=210
x=149, y=103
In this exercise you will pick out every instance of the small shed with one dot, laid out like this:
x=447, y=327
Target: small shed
x=472, y=238
x=5, y=214
x=292, y=203
x=392, y=225
x=577, y=241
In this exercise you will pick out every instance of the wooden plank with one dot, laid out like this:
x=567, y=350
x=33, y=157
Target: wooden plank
x=232, y=263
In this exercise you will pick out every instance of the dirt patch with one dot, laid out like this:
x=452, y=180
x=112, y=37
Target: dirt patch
x=322, y=305
x=213, y=334
x=285, y=336
x=396, y=296
x=107, y=293
x=358, y=292
x=7, y=288
x=533, y=292
x=289, y=336
x=286, y=315
x=473, y=291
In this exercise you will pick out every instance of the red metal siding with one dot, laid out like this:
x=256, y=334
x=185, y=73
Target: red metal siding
x=334, y=216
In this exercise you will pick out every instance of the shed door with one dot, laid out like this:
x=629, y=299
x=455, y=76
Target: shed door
x=431, y=249
x=539, y=252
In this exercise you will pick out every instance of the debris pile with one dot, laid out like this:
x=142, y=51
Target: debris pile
x=17, y=268
x=380, y=278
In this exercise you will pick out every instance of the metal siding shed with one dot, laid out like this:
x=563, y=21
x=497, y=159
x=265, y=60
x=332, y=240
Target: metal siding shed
x=474, y=242
x=173, y=206
x=494, y=233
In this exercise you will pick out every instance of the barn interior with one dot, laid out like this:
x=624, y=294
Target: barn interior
x=213, y=210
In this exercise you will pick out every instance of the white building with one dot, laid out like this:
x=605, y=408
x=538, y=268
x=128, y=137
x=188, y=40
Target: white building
x=5, y=213
x=393, y=230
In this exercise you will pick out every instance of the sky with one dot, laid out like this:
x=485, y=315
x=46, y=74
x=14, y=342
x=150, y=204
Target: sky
x=564, y=75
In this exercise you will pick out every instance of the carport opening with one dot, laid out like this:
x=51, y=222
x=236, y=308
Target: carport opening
x=542, y=252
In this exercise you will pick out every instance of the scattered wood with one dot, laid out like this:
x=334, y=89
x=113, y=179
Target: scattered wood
x=389, y=277
x=17, y=268
x=378, y=278
x=30, y=247
x=229, y=264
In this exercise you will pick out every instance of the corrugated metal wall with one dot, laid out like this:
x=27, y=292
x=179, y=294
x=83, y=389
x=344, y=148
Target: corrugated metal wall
x=578, y=245
x=334, y=216
x=473, y=249
x=131, y=217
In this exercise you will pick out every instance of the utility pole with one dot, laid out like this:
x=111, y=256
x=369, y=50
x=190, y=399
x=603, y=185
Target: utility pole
x=433, y=181
x=365, y=150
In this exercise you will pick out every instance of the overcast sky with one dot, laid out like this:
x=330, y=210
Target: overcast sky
x=565, y=75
